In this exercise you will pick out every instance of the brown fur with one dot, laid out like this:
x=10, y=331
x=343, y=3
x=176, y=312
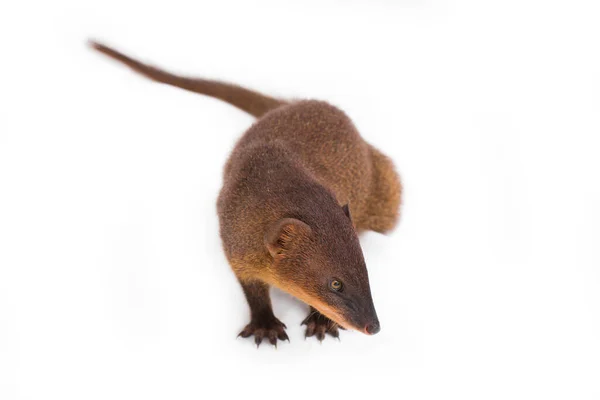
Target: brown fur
x=280, y=211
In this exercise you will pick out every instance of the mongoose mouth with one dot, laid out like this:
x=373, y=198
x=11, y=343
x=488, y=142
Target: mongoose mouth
x=333, y=315
x=371, y=328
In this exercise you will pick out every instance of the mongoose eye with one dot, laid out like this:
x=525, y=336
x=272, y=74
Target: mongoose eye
x=336, y=285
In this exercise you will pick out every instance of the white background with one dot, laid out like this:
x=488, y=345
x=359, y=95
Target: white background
x=112, y=280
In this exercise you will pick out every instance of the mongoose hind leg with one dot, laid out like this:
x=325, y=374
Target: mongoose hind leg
x=318, y=325
x=263, y=323
x=383, y=204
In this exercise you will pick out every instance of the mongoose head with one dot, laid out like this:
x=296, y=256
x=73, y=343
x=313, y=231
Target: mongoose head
x=322, y=264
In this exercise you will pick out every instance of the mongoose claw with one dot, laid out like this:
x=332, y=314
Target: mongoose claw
x=318, y=325
x=271, y=329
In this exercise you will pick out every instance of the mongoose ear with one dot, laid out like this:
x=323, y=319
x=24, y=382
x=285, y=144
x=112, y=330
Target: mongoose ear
x=346, y=210
x=282, y=235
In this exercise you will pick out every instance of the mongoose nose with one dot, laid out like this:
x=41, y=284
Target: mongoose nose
x=372, y=328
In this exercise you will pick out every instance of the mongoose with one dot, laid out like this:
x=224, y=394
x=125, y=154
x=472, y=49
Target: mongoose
x=298, y=187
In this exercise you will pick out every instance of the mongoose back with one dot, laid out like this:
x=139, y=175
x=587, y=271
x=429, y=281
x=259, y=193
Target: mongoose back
x=297, y=188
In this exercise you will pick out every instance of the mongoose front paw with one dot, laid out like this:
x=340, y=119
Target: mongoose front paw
x=270, y=328
x=317, y=325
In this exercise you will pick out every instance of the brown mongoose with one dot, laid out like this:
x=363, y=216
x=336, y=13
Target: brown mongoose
x=297, y=188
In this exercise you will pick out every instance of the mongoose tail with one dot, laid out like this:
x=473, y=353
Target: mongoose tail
x=247, y=100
